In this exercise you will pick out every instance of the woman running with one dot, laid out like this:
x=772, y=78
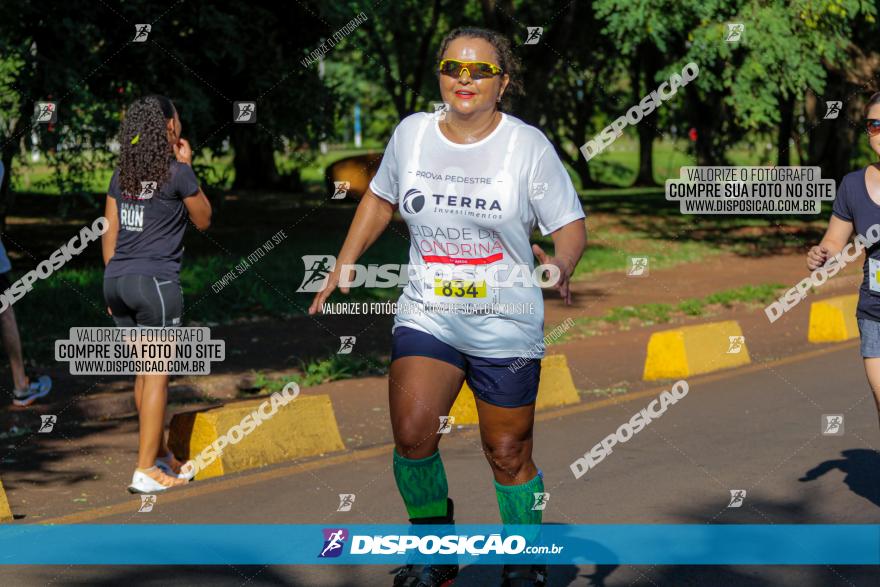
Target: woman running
x=471, y=184
x=857, y=207
x=151, y=193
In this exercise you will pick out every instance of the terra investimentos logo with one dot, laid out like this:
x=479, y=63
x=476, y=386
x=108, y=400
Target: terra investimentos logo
x=413, y=201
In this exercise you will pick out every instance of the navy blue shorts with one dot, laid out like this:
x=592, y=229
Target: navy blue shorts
x=494, y=381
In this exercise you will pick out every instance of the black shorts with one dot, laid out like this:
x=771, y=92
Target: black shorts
x=144, y=300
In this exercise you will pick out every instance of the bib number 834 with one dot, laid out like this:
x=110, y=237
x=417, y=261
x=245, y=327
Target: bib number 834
x=459, y=288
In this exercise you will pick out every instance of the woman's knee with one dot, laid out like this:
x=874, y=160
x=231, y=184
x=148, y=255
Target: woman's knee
x=508, y=453
x=415, y=438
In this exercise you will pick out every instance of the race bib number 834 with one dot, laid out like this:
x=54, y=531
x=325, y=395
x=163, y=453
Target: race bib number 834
x=459, y=288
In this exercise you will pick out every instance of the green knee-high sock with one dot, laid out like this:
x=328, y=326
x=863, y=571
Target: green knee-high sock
x=422, y=484
x=516, y=502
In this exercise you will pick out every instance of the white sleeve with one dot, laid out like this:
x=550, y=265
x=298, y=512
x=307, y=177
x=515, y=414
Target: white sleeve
x=559, y=203
x=384, y=184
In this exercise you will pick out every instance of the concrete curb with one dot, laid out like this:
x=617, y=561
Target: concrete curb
x=555, y=389
x=303, y=428
x=5, y=512
x=691, y=350
x=834, y=319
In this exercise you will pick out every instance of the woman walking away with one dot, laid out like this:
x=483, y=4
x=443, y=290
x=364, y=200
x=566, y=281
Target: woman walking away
x=152, y=193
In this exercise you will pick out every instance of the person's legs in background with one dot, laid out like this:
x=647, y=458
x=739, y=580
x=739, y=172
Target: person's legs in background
x=24, y=392
x=872, y=370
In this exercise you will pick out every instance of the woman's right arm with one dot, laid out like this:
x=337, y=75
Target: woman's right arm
x=108, y=239
x=835, y=239
x=372, y=216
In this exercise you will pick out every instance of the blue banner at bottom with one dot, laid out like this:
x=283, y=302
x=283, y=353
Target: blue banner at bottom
x=267, y=544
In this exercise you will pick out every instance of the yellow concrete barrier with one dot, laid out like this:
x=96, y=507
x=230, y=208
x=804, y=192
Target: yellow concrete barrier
x=834, y=319
x=556, y=388
x=5, y=511
x=691, y=350
x=304, y=427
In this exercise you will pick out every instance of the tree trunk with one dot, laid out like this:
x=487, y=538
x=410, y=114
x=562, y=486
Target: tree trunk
x=786, y=113
x=704, y=119
x=254, y=160
x=831, y=142
x=10, y=147
x=645, y=66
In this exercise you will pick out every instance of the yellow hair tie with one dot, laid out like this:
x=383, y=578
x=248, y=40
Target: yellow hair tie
x=136, y=138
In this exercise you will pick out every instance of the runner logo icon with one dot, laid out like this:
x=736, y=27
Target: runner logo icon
x=318, y=267
x=539, y=190
x=244, y=112
x=334, y=540
x=341, y=188
x=832, y=424
x=832, y=109
x=446, y=423
x=47, y=423
x=346, y=345
x=147, y=503
x=148, y=188
x=541, y=499
x=736, y=344
x=346, y=501
x=141, y=32
x=736, y=498
x=46, y=112
x=735, y=31
x=534, y=34
x=638, y=267
x=413, y=201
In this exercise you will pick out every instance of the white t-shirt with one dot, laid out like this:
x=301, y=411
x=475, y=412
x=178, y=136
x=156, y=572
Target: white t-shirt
x=469, y=207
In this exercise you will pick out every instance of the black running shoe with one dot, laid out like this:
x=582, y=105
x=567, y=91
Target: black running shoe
x=524, y=576
x=429, y=575
x=426, y=576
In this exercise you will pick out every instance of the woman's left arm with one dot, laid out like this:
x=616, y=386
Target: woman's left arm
x=569, y=243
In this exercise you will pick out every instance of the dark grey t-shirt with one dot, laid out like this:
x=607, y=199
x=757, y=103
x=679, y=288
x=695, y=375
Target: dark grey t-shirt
x=853, y=204
x=151, y=225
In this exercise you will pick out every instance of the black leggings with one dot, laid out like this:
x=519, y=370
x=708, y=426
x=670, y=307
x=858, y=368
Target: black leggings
x=144, y=300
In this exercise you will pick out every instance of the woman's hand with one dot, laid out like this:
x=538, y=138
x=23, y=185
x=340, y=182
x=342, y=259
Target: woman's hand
x=817, y=256
x=183, y=151
x=566, y=268
x=329, y=287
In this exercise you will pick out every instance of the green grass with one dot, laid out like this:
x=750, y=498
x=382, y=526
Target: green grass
x=657, y=313
x=619, y=163
x=316, y=372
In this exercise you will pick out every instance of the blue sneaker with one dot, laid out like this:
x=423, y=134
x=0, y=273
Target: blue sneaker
x=36, y=390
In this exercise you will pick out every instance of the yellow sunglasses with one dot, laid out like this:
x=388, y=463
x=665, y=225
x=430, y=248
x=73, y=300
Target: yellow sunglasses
x=475, y=69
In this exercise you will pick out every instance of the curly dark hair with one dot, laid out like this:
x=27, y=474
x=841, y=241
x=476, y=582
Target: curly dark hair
x=873, y=100
x=150, y=157
x=507, y=60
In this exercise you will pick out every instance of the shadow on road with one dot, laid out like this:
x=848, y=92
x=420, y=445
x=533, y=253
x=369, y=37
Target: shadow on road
x=862, y=469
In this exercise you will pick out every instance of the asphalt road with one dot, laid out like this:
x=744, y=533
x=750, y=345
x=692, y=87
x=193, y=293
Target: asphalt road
x=756, y=429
